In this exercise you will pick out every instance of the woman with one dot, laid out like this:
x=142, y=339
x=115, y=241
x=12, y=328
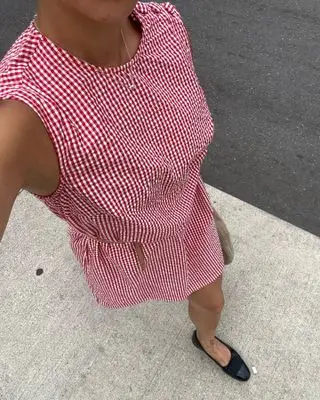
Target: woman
x=102, y=118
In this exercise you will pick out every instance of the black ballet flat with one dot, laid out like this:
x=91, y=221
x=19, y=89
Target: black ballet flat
x=236, y=368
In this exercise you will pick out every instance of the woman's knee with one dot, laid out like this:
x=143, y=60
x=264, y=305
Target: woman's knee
x=216, y=303
x=210, y=298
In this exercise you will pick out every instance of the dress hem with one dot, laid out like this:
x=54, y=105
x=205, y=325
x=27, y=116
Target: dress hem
x=176, y=298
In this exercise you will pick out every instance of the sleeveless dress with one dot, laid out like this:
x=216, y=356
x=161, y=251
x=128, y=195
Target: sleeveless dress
x=130, y=141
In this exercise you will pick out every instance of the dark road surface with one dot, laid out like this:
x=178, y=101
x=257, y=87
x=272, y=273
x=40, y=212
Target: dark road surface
x=259, y=63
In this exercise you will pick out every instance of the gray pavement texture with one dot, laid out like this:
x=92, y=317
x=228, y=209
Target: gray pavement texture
x=57, y=344
x=259, y=62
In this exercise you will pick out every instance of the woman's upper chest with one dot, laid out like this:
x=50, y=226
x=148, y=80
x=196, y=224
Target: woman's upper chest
x=156, y=108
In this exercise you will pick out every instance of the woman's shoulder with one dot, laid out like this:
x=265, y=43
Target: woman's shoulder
x=164, y=20
x=166, y=10
x=18, y=69
x=158, y=7
x=165, y=26
x=20, y=54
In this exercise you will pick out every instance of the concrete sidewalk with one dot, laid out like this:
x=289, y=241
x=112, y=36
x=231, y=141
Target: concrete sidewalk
x=57, y=344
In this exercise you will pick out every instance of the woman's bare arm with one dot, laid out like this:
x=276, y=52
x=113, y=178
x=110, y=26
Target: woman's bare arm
x=27, y=158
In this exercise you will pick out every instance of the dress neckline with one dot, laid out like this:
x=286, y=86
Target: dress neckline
x=135, y=16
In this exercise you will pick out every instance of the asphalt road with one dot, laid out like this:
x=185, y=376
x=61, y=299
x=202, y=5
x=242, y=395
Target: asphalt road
x=259, y=62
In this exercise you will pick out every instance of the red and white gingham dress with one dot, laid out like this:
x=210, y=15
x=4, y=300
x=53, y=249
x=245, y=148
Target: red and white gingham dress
x=141, y=223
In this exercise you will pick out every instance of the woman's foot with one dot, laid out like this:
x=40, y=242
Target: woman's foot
x=236, y=368
x=216, y=350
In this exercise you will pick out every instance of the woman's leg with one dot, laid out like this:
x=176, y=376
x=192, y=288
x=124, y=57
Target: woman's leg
x=205, y=308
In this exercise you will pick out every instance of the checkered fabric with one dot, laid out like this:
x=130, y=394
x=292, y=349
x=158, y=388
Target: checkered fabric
x=130, y=142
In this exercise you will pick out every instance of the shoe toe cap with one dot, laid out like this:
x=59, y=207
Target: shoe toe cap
x=243, y=373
